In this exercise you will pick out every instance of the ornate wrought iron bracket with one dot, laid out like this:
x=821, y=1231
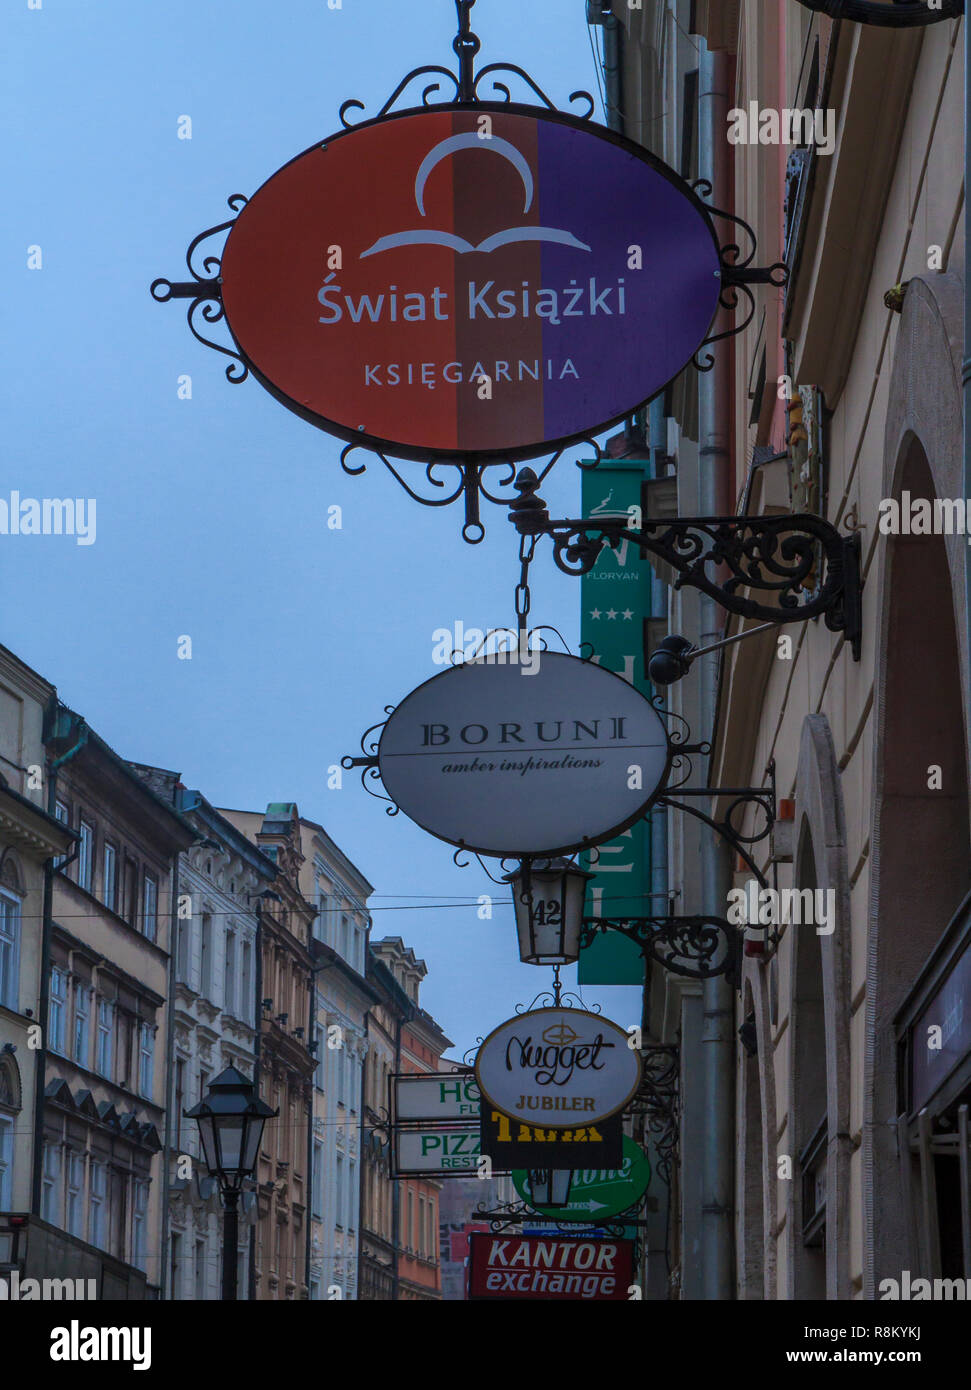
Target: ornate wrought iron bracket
x=658, y=1099
x=801, y=562
x=698, y=947
x=205, y=292
x=763, y=799
x=509, y=1215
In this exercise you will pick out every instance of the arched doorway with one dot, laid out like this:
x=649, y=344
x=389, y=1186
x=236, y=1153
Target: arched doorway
x=921, y=825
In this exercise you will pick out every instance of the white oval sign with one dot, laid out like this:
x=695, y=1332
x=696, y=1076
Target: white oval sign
x=514, y=760
x=558, y=1068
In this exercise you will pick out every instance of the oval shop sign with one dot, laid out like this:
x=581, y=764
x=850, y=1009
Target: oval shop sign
x=504, y=763
x=494, y=282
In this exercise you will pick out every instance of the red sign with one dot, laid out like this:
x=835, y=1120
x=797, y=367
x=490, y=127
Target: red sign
x=487, y=281
x=551, y=1268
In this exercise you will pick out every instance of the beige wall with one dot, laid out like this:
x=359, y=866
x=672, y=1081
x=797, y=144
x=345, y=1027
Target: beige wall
x=847, y=339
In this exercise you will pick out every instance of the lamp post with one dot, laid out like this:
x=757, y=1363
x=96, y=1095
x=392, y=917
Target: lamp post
x=231, y=1118
x=548, y=898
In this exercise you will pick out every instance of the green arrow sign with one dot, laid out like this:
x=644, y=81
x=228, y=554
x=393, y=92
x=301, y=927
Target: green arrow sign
x=596, y=1194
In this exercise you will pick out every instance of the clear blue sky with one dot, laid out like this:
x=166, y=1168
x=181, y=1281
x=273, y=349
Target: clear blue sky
x=211, y=512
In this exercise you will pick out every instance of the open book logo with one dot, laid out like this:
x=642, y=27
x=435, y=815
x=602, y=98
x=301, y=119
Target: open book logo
x=429, y=236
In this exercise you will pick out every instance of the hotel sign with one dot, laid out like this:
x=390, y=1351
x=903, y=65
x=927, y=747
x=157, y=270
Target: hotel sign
x=561, y=1068
x=494, y=281
x=435, y=1096
x=550, y=1268
x=506, y=763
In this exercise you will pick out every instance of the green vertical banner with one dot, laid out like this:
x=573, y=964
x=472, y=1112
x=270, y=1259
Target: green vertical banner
x=616, y=598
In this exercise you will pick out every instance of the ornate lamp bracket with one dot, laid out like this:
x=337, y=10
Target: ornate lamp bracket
x=801, y=563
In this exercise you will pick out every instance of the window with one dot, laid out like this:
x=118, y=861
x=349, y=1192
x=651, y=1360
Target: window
x=179, y=1102
x=62, y=813
x=150, y=907
x=339, y=1190
x=50, y=1202
x=175, y=1260
x=205, y=966
x=246, y=1003
x=200, y=1270
x=6, y=1162
x=106, y=1022
x=183, y=928
x=139, y=1222
x=344, y=946
x=86, y=856
x=55, y=1024
x=9, y=951
x=421, y=1225
x=410, y=1228
x=96, y=1203
x=109, y=885
x=131, y=891
x=75, y=1193
x=146, y=1059
x=229, y=975
x=317, y=1186
x=82, y=1018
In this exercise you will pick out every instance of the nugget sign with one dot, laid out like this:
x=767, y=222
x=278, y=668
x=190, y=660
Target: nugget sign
x=561, y=1068
x=536, y=1267
x=493, y=281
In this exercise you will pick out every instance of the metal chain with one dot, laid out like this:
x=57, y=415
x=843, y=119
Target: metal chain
x=527, y=545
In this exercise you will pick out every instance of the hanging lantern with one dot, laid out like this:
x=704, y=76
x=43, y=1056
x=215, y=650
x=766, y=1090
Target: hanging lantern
x=548, y=898
x=550, y=1187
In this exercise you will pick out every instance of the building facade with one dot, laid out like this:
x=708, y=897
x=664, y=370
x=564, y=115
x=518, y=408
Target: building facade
x=213, y=1012
x=380, y=1194
x=107, y=957
x=341, y=997
x=30, y=841
x=421, y=1049
x=284, y=1064
x=843, y=1114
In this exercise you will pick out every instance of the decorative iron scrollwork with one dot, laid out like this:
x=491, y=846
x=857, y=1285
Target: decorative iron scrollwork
x=204, y=291
x=776, y=557
x=698, y=947
x=658, y=1100
x=368, y=763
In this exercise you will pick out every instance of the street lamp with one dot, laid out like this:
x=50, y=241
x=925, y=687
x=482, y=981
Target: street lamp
x=231, y=1118
x=548, y=898
x=550, y=1187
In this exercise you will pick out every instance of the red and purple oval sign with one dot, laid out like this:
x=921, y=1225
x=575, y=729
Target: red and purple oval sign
x=487, y=282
